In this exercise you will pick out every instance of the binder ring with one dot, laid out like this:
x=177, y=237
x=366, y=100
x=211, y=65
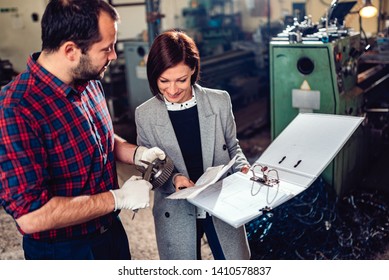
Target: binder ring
x=268, y=178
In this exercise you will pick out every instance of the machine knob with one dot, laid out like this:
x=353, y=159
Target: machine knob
x=350, y=68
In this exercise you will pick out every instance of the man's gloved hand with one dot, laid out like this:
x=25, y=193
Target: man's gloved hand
x=133, y=195
x=149, y=155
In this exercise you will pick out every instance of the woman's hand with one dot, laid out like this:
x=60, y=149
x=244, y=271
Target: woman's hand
x=182, y=182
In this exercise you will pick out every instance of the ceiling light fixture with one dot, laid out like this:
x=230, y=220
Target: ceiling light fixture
x=368, y=10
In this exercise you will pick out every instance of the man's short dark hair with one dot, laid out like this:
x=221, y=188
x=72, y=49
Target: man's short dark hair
x=73, y=20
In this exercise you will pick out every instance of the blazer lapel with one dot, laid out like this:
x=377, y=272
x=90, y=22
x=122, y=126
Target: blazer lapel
x=167, y=138
x=207, y=121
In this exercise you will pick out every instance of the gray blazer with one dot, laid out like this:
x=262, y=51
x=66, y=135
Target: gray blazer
x=175, y=220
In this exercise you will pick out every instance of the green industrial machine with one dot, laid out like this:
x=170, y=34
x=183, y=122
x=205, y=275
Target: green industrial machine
x=311, y=75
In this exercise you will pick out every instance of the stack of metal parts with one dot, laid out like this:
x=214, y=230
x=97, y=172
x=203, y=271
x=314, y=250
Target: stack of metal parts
x=318, y=225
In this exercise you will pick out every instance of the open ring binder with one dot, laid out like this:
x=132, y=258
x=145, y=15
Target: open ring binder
x=291, y=163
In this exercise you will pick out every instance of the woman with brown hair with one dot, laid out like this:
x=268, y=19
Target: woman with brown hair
x=195, y=127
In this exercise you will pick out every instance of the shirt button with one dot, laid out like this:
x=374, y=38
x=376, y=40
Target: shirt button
x=224, y=147
x=167, y=214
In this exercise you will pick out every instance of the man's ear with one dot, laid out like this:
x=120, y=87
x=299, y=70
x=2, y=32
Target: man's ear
x=71, y=51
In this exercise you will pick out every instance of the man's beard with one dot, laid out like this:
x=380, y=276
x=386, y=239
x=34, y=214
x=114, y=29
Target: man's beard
x=85, y=71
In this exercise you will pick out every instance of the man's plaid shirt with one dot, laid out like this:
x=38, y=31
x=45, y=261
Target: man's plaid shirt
x=55, y=140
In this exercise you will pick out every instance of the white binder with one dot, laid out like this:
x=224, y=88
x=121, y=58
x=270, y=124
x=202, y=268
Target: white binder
x=298, y=155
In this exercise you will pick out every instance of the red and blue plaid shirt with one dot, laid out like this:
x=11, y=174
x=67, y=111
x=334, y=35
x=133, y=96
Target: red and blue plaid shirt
x=55, y=140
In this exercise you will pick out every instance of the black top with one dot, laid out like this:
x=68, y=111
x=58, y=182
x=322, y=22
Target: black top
x=187, y=129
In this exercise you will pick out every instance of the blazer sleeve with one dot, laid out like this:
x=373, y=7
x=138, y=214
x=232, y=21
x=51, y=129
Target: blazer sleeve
x=142, y=140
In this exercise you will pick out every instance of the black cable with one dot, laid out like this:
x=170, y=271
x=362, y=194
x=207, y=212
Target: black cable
x=316, y=224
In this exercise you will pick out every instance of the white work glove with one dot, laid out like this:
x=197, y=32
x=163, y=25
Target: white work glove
x=149, y=155
x=133, y=195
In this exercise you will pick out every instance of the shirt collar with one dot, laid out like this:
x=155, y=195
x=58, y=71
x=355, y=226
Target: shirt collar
x=52, y=81
x=181, y=106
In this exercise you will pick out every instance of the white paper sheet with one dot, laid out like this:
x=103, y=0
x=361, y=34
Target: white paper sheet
x=210, y=176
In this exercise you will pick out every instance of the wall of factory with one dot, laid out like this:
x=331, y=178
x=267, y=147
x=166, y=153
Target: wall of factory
x=20, y=29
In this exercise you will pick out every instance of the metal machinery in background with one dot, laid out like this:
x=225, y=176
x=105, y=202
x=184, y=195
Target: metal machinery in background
x=132, y=65
x=234, y=71
x=226, y=62
x=211, y=26
x=153, y=16
x=314, y=69
x=135, y=53
x=217, y=71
